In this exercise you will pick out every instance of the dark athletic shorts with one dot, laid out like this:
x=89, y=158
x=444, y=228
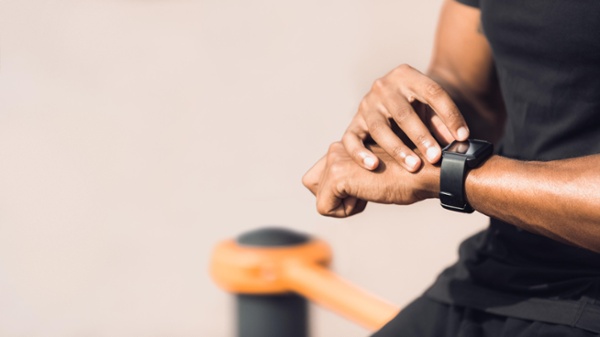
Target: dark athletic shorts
x=427, y=318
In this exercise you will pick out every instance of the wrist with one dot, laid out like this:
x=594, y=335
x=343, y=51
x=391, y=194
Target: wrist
x=431, y=181
x=476, y=178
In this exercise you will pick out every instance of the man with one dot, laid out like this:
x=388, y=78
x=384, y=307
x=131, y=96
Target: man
x=524, y=75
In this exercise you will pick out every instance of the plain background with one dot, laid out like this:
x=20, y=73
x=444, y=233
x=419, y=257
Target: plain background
x=136, y=134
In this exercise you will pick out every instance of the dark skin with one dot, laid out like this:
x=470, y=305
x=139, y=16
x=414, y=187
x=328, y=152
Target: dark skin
x=559, y=199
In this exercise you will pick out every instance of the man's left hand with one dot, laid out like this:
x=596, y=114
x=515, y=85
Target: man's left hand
x=343, y=188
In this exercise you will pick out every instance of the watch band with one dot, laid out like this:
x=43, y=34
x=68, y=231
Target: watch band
x=452, y=183
x=457, y=159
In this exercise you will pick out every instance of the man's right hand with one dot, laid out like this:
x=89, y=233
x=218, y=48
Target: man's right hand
x=421, y=109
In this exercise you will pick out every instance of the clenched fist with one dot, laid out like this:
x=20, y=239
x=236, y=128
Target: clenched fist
x=343, y=187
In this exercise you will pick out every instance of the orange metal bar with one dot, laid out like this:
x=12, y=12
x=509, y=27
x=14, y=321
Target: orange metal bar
x=301, y=269
x=327, y=289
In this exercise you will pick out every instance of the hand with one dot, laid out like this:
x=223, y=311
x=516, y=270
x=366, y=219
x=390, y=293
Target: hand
x=343, y=188
x=418, y=105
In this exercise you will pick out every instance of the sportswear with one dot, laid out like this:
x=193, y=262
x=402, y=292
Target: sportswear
x=547, y=58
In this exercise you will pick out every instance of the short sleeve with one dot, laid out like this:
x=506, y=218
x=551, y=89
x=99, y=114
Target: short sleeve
x=472, y=3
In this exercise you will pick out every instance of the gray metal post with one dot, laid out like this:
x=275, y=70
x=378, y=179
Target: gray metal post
x=278, y=315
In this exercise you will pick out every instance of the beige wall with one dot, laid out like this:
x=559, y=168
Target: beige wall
x=135, y=134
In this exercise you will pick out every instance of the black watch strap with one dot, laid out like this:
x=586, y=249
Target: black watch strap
x=452, y=183
x=457, y=159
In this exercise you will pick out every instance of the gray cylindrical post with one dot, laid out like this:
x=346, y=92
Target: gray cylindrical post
x=275, y=315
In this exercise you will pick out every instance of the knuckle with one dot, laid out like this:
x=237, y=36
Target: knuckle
x=337, y=146
x=341, y=186
x=331, y=158
x=398, y=151
x=403, y=68
x=364, y=105
x=305, y=181
x=434, y=90
x=309, y=182
x=321, y=209
x=379, y=84
x=348, y=138
x=336, y=172
x=421, y=139
x=453, y=117
x=333, y=148
x=402, y=113
x=377, y=127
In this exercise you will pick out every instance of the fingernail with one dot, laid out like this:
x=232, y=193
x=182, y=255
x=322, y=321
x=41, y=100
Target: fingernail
x=369, y=162
x=462, y=133
x=432, y=153
x=411, y=161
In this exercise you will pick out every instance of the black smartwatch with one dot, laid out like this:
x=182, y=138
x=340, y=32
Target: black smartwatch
x=457, y=159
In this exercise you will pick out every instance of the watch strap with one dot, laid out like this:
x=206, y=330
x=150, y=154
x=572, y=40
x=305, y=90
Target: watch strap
x=452, y=183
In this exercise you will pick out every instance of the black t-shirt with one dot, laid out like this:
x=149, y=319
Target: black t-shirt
x=547, y=55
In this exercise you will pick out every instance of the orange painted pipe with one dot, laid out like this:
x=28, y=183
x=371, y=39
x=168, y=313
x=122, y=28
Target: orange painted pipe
x=301, y=269
x=327, y=289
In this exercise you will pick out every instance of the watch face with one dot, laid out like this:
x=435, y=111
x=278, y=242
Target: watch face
x=468, y=148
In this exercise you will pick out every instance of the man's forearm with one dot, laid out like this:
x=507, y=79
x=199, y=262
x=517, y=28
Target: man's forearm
x=559, y=199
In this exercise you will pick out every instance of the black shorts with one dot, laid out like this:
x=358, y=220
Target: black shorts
x=428, y=318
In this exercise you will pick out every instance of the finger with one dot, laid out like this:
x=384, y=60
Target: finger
x=433, y=123
x=349, y=205
x=311, y=178
x=360, y=206
x=353, y=205
x=428, y=91
x=330, y=202
x=440, y=131
x=382, y=134
x=333, y=188
x=411, y=123
x=354, y=145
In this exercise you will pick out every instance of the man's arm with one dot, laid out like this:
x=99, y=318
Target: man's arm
x=558, y=199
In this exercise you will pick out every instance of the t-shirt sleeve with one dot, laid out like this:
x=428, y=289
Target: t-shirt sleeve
x=472, y=3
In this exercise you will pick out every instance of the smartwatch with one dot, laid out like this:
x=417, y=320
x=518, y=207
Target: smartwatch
x=457, y=159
